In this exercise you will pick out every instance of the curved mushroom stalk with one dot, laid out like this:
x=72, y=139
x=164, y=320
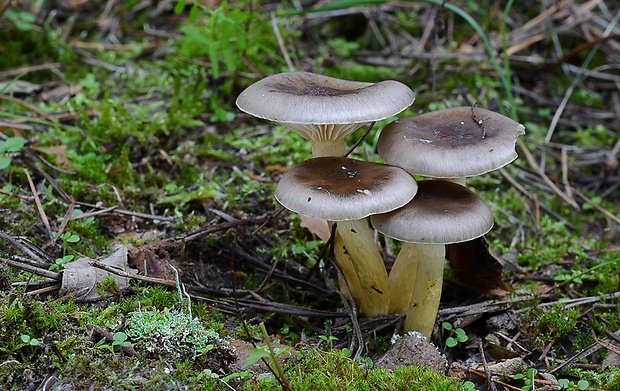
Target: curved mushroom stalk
x=358, y=240
x=424, y=304
x=402, y=277
x=347, y=191
x=441, y=212
x=348, y=272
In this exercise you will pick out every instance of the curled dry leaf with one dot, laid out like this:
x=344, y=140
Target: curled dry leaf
x=474, y=264
x=81, y=279
x=60, y=151
x=317, y=227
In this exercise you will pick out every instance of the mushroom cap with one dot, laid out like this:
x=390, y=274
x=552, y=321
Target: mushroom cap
x=338, y=188
x=309, y=98
x=442, y=212
x=451, y=143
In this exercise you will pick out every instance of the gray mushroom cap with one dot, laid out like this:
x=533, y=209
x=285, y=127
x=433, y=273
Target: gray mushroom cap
x=451, y=143
x=337, y=188
x=442, y=212
x=302, y=100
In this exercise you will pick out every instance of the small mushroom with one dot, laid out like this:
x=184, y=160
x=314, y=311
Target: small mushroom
x=323, y=109
x=442, y=212
x=451, y=143
x=348, y=191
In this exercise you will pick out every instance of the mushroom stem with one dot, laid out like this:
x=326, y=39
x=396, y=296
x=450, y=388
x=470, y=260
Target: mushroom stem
x=328, y=148
x=402, y=278
x=358, y=240
x=348, y=271
x=427, y=290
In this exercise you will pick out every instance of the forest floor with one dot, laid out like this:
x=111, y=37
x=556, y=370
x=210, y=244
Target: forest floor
x=141, y=246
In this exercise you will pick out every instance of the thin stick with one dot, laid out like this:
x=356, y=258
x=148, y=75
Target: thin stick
x=65, y=221
x=23, y=248
x=359, y=141
x=129, y=213
x=569, y=91
x=37, y=201
x=33, y=269
x=20, y=102
x=276, y=31
x=485, y=365
x=598, y=207
x=564, y=159
x=532, y=161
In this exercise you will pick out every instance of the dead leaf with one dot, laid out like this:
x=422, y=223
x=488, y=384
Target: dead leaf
x=156, y=259
x=60, y=151
x=19, y=87
x=80, y=279
x=317, y=227
x=277, y=167
x=474, y=264
x=61, y=92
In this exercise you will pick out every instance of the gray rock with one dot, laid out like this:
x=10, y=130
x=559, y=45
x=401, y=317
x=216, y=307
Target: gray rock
x=413, y=349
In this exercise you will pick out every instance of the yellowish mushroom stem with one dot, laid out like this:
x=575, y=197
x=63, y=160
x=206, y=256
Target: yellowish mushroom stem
x=350, y=274
x=358, y=240
x=424, y=304
x=401, y=279
x=328, y=148
x=421, y=267
x=356, y=252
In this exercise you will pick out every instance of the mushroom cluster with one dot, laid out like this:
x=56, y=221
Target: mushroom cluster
x=450, y=144
x=446, y=145
x=325, y=110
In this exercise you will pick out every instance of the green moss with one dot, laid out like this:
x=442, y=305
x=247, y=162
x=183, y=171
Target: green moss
x=558, y=322
x=318, y=370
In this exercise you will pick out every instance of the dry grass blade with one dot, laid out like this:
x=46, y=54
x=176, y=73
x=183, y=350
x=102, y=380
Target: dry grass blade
x=37, y=201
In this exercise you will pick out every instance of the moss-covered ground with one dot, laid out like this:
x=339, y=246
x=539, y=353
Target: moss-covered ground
x=118, y=125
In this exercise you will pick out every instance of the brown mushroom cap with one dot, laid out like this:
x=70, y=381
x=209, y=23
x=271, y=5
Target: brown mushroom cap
x=442, y=212
x=451, y=143
x=305, y=101
x=337, y=188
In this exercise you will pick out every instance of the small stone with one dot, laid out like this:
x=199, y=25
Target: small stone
x=413, y=349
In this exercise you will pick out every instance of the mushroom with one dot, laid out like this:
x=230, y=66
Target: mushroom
x=451, y=143
x=323, y=109
x=347, y=191
x=442, y=212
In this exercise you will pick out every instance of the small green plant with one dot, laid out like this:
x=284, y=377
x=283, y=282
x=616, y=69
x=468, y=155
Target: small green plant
x=528, y=378
x=329, y=339
x=118, y=339
x=565, y=275
x=27, y=339
x=7, y=147
x=470, y=385
x=22, y=20
x=309, y=250
x=271, y=354
x=58, y=262
x=457, y=335
x=566, y=384
x=68, y=237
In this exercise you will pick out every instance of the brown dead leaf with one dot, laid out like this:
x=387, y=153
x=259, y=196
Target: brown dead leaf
x=317, y=227
x=156, y=259
x=19, y=87
x=60, y=92
x=80, y=279
x=60, y=151
x=474, y=264
x=277, y=167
